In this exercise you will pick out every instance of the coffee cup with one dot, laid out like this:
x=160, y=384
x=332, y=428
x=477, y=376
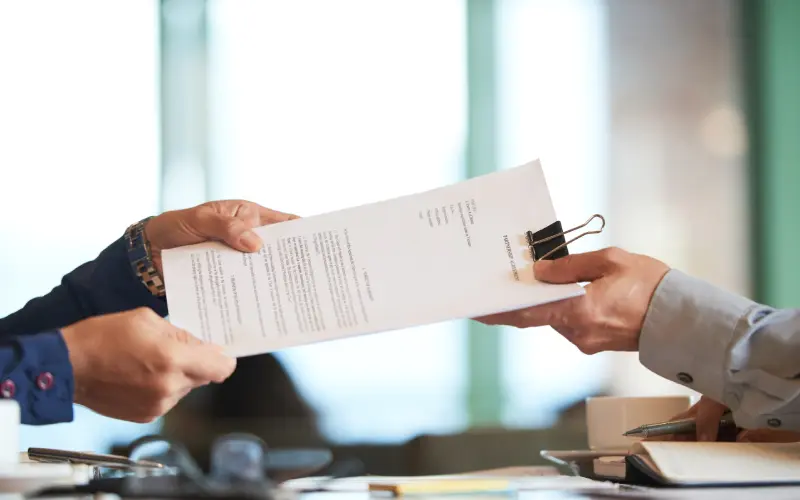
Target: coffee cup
x=608, y=418
x=9, y=440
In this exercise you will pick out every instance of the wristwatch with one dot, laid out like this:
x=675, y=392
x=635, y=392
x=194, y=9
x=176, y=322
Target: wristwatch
x=141, y=260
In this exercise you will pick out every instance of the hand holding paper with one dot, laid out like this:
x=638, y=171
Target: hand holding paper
x=454, y=252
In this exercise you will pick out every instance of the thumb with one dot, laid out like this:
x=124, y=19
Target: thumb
x=234, y=230
x=572, y=268
x=709, y=413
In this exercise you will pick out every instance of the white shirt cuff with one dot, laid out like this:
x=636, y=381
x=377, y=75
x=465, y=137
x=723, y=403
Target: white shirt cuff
x=688, y=331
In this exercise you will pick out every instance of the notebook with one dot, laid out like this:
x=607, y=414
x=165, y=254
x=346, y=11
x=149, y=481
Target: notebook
x=714, y=464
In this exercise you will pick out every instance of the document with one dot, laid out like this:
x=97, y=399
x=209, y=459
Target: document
x=455, y=252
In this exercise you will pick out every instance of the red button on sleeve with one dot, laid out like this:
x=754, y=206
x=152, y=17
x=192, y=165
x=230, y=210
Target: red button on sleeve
x=7, y=389
x=44, y=381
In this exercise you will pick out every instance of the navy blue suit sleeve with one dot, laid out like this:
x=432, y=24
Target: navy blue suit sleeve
x=34, y=360
x=104, y=285
x=35, y=370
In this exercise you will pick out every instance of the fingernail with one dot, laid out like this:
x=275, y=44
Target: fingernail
x=250, y=240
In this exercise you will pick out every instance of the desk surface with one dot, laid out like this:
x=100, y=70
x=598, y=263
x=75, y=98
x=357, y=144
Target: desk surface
x=759, y=493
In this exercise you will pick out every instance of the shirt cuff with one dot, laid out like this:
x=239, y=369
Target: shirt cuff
x=688, y=332
x=39, y=376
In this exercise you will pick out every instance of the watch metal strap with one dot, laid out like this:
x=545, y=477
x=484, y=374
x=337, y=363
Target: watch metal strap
x=141, y=259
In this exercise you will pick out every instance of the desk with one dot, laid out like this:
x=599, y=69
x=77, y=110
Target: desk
x=769, y=493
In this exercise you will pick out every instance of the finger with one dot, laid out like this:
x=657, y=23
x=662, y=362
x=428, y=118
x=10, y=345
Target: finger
x=544, y=315
x=234, y=229
x=665, y=437
x=269, y=216
x=709, y=413
x=575, y=268
x=691, y=412
x=672, y=437
x=206, y=363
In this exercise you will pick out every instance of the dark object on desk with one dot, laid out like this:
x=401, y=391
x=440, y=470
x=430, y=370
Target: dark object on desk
x=242, y=467
x=259, y=398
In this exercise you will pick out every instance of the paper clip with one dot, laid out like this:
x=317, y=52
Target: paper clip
x=532, y=243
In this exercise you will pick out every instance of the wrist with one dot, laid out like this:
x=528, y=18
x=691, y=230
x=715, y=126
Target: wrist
x=76, y=358
x=145, y=259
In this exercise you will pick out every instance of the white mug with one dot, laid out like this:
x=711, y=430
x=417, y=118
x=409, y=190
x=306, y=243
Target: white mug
x=9, y=439
x=608, y=418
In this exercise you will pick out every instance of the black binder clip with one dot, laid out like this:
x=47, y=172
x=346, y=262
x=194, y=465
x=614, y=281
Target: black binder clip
x=550, y=242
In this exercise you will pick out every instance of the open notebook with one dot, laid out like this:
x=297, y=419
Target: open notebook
x=696, y=464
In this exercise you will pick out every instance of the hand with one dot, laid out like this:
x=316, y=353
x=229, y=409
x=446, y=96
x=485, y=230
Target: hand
x=229, y=221
x=611, y=313
x=707, y=414
x=135, y=365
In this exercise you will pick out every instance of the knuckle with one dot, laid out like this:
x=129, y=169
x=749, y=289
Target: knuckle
x=232, y=225
x=588, y=346
x=162, y=361
x=164, y=389
x=614, y=255
x=164, y=406
x=143, y=314
x=145, y=418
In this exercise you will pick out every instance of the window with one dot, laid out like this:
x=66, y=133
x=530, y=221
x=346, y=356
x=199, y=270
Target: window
x=79, y=155
x=553, y=103
x=317, y=106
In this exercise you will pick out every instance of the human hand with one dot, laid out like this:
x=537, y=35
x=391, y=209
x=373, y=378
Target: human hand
x=610, y=315
x=707, y=414
x=136, y=366
x=229, y=221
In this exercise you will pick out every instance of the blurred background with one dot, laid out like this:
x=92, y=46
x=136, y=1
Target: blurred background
x=676, y=119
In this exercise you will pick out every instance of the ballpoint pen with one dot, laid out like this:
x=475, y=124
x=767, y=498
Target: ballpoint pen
x=76, y=457
x=681, y=426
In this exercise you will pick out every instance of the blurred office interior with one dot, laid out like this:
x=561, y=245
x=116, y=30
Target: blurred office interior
x=673, y=118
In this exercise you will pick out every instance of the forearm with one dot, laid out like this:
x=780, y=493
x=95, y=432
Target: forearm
x=36, y=372
x=105, y=285
x=729, y=348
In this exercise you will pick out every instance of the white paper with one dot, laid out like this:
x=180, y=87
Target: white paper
x=453, y=252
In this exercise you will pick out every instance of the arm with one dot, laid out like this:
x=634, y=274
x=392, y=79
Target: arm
x=726, y=347
x=35, y=369
x=39, y=370
x=111, y=283
x=105, y=285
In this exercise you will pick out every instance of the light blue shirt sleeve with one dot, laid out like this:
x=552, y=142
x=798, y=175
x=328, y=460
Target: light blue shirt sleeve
x=731, y=349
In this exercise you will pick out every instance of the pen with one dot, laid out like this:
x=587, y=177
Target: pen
x=682, y=426
x=77, y=457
